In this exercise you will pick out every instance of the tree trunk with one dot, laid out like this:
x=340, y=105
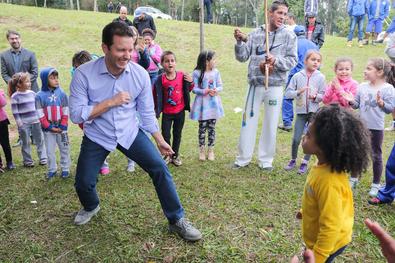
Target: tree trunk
x=45, y=3
x=201, y=6
x=78, y=5
x=95, y=5
x=182, y=10
x=71, y=4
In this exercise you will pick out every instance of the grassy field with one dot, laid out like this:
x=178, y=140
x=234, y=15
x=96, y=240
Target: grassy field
x=245, y=215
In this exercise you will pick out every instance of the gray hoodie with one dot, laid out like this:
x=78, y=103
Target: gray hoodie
x=316, y=84
x=282, y=45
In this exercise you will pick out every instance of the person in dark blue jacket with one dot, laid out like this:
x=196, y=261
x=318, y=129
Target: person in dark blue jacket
x=304, y=45
x=356, y=9
x=378, y=11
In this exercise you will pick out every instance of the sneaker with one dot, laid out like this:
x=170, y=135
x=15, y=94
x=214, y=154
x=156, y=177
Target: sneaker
x=28, y=165
x=266, y=168
x=185, y=230
x=50, y=175
x=285, y=128
x=374, y=190
x=302, y=168
x=84, y=217
x=10, y=166
x=167, y=159
x=202, y=153
x=130, y=168
x=353, y=183
x=17, y=144
x=176, y=161
x=379, y=41
x=104, y=171
x=210, y=154
x=365, y=42
x=375, y=201
x=390, y=128
x=360, y=43
x=65, y=174
x=43, y=162
x=291, y=165
x=235, y=166
x=349, y=44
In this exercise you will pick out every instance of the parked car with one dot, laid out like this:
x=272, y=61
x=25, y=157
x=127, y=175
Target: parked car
x=155, y=13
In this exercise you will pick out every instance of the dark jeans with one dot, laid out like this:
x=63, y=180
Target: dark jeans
x=356, y=20
x=178, y=123
x=144, y=153
x=287, y=112
x=377, y=137
x=207, y=4
x=5, y=141
x=302, y=120
x=338, y=252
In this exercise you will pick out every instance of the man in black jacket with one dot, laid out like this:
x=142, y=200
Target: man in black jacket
x=314, y=30
x=123, y=13
x=143, y=21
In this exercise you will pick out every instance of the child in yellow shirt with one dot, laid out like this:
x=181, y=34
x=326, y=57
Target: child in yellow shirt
x=342, y=145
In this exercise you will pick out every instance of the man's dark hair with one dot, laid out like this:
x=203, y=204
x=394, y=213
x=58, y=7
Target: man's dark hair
x=276, y=5
x=115, y=28
x=166, y=53
x=343, y=139
x=12, y=32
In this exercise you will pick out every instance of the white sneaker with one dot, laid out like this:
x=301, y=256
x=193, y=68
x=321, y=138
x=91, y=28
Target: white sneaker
x=374, y=190
x=390, y=128
x=130, y=168
x=84, y=217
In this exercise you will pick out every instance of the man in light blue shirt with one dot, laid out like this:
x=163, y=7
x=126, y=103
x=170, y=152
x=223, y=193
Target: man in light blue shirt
x=105, y=95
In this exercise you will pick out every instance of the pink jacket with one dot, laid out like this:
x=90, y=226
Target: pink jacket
x=3, y=102
x=333, y=95
x=155, y=52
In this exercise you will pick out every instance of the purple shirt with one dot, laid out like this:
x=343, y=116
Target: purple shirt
x=92, y=84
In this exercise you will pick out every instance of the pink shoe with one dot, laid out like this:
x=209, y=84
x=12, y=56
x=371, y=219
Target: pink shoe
x=104, y=171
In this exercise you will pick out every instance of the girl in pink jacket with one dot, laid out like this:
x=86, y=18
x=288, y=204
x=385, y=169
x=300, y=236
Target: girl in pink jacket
x=342, y=86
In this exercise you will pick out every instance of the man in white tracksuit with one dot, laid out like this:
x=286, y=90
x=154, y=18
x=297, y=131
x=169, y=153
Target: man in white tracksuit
x=281, y=58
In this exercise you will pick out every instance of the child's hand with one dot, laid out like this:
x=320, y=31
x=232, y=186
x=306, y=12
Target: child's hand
x=299, y=215
x=379, y=100
x=302, y=90
x=56, y=130
x=212, y=92
x=348, y=96
x=313, y=96
x=188, y=77
x=335, y=84
x=140, y=47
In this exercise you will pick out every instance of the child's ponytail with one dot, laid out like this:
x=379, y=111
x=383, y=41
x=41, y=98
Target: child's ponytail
x=16, y=79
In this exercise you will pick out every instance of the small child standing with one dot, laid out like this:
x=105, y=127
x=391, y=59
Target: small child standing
x=53, y=112
x=375, y=98
x=307, y=87
x=207, y=106
x=171, y=95
x=340, y=142
x=24, y=110
x=4, y=135
x=342, y=85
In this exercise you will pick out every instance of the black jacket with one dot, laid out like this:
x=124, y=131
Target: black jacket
x=318, y=36
x=127, y=21
x=146, y=22
x=158, y=94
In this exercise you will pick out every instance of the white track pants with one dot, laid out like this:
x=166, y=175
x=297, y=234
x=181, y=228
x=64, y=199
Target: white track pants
x=271, y=98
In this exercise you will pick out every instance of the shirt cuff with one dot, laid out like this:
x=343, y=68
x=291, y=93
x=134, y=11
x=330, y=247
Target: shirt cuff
x=86, y=113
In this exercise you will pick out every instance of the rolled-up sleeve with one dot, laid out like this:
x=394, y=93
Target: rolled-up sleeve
x=80, y=110
x=145, y=107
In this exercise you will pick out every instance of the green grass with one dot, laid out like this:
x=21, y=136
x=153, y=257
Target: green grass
x=245, y=215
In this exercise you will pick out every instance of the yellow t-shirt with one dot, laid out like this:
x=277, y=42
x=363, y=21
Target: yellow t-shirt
x=328, y=211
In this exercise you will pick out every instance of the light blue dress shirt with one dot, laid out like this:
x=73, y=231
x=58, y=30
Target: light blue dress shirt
x=92, y=84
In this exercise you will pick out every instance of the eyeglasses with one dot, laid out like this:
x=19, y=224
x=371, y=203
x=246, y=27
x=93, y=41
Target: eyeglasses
x=169, y=95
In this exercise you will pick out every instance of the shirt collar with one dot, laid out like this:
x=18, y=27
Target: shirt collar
x=103, y=68
x=16, y=51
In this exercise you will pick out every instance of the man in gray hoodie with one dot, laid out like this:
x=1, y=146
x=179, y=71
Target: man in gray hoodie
x=281, y=58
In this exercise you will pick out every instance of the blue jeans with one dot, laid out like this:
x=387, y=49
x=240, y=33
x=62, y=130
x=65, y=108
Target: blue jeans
x=354, y=21
x=301, y=121
x=287, y=112
x=144, y=153
x=391, y=27
x=207, y=4
x=387, y=193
